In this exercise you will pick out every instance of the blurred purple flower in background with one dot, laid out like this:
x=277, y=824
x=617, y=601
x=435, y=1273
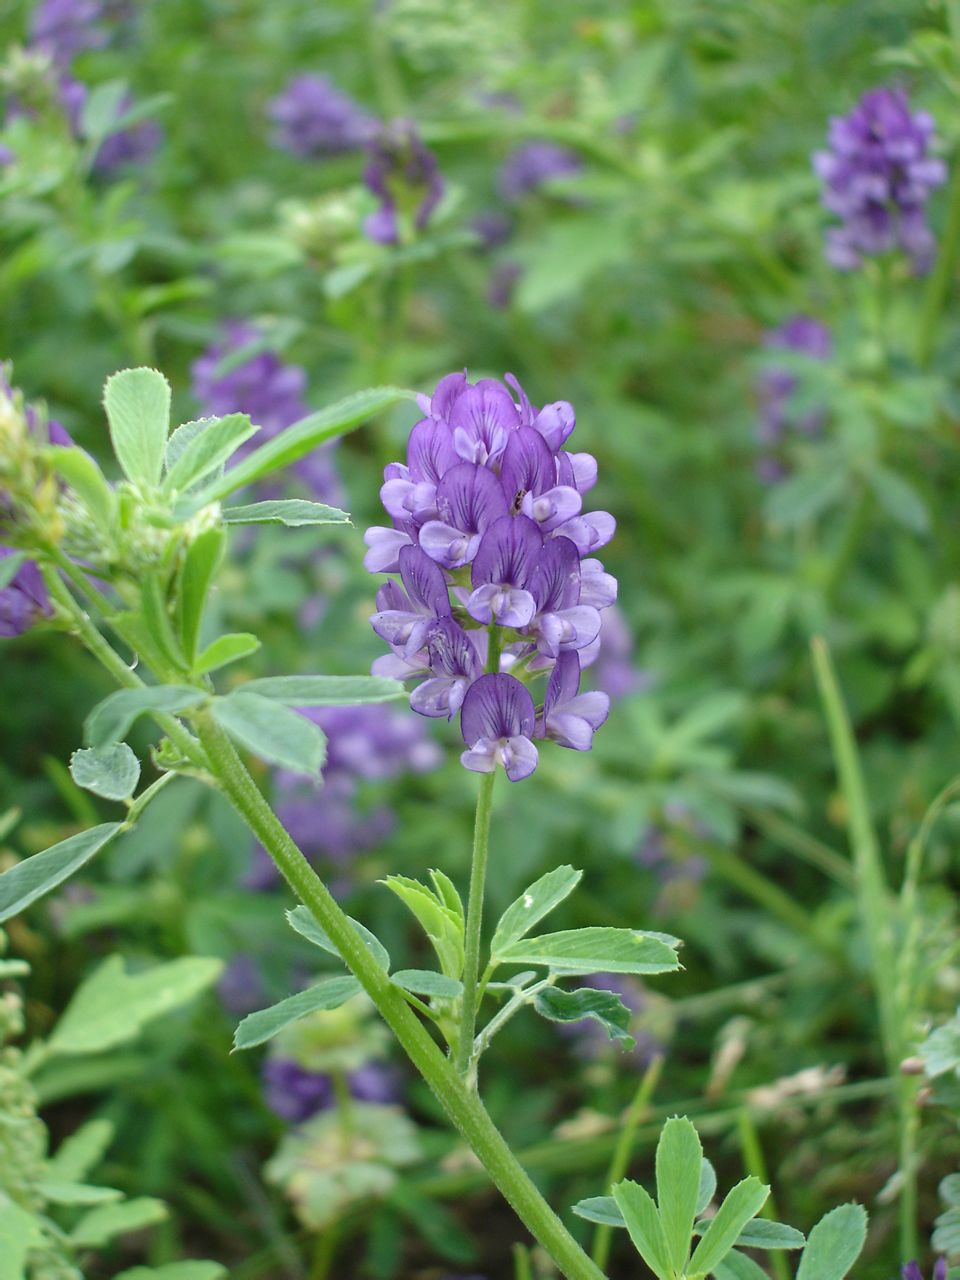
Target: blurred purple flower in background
x=311, y=117
x=405, y=178
x=803, y=336
x=489, y=506
x=592, y=1040
x=63, y=28
x=238, y=374
x=911, y=1270
x=295, y=1093
x=24, y=599
x=240, y=987
x=528, y=167
x=877, y=176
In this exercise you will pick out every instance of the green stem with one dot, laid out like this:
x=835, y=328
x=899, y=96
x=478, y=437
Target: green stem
x=755, y=1164
x=461, y=1104
x=793, y=838
x=620, y=1161
x=474, y=926
x=938, y=285
x=849, y=544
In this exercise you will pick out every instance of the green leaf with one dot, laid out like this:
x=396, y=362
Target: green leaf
x=740, y=1204
x=176, y=1271
x=272, y=731
x=643, y=1222
x=595, y=950
x=300, y=439
x=532, y=905
x=224, y=650
x=200, y=566
x=425, y=982
x=102, y=1225
x=805, y=495
x=292, y=512
x=899, y=499
x=33, y=877
x=834, y=1244
x=763, y=1233
x=708, y=1185
x=303, y=922
x=602, y=1210
x=88, y=482
x=263, y=1025
x=326, y=691
x=198, y=448
x=112, y=1006
x=78, y=1193
x=112, y=772
x=604, y=1007
x=81, y=1152
x=10, y=566
x=737, y=1266
x=158, y=618
x=443, y=926
x=111, y=720
x=137, y=402
x=19, y=1232
x=679, y=1163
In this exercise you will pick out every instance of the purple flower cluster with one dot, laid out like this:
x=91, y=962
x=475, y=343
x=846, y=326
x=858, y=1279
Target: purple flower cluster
x=911, y=1270
x=226, y=380
x=489, y=507
x=405, y=178
x=804, y=336
x=877, y=176
x=295, y=1093
x=311, y=117
x=61, y=30
x=528, y=167
x=364, y=744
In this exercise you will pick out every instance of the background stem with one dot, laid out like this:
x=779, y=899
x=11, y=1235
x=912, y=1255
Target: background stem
x=474, y=926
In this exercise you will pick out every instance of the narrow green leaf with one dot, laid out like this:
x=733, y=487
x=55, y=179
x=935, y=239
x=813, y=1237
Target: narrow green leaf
x=111, y=1007
x=200, y=566
x=326, y=691
x=81, y=1152
x=292, y=512
x=111, y=719
x=263, y=1025
x=157, y=616
x=10, y=566
x=425, y=982
x=442, y=926
x=834, y=1244
x=708, y=1185
x=679, y=1163
x=78, y=1193
x=595, y=950
x=33, y=877
x=272, y=731
x=102, y=1225
x=176, y=1271
x=532, y=905
x=224, y=650
x=737, y=1266
x=447, y=892
x=84, y=477
x=198, y=448
x=303, y=437
x=112, y=772
x=303, y=922
x=19, y=1232
x=643, y=1222
x=763, y=1233
x=137, y=402
x=603, y=1210
x=604, y=1007
x=740, y=1204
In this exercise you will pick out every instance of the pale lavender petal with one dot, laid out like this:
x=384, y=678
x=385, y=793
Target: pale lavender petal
x=448, y=546
x=554, y=508
x=481, y=757
x=519, y=758
x=555, y=422
x=597, y=587
x=507, y=606
x=384, y=546
x=440, y=696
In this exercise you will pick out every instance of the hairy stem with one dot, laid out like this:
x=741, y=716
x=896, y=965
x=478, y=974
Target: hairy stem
x=471, y=956
x=461, y=1104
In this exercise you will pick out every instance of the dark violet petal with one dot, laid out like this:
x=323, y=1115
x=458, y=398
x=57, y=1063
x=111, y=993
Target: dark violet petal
x=496, y=706
x=449, y=388
x=527, y=465
x=556, y=584
x=470, y=498
x=508, y=554
x=564, y=682
x=525, y=408
x=482, y=418
x=430, y=452
x=426, y=586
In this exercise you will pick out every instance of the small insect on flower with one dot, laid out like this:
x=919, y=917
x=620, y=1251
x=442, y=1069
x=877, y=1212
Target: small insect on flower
x=498, y=585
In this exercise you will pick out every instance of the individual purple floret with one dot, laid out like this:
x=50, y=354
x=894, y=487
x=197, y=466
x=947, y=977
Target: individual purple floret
x=877, y=176
x=311, y=117
x=405, y=178
x=531, y=165
x=804, y=336
x=64, y=28
x=229, y=379
x=498, y=582
x=911, y=1270
x=24, y=600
